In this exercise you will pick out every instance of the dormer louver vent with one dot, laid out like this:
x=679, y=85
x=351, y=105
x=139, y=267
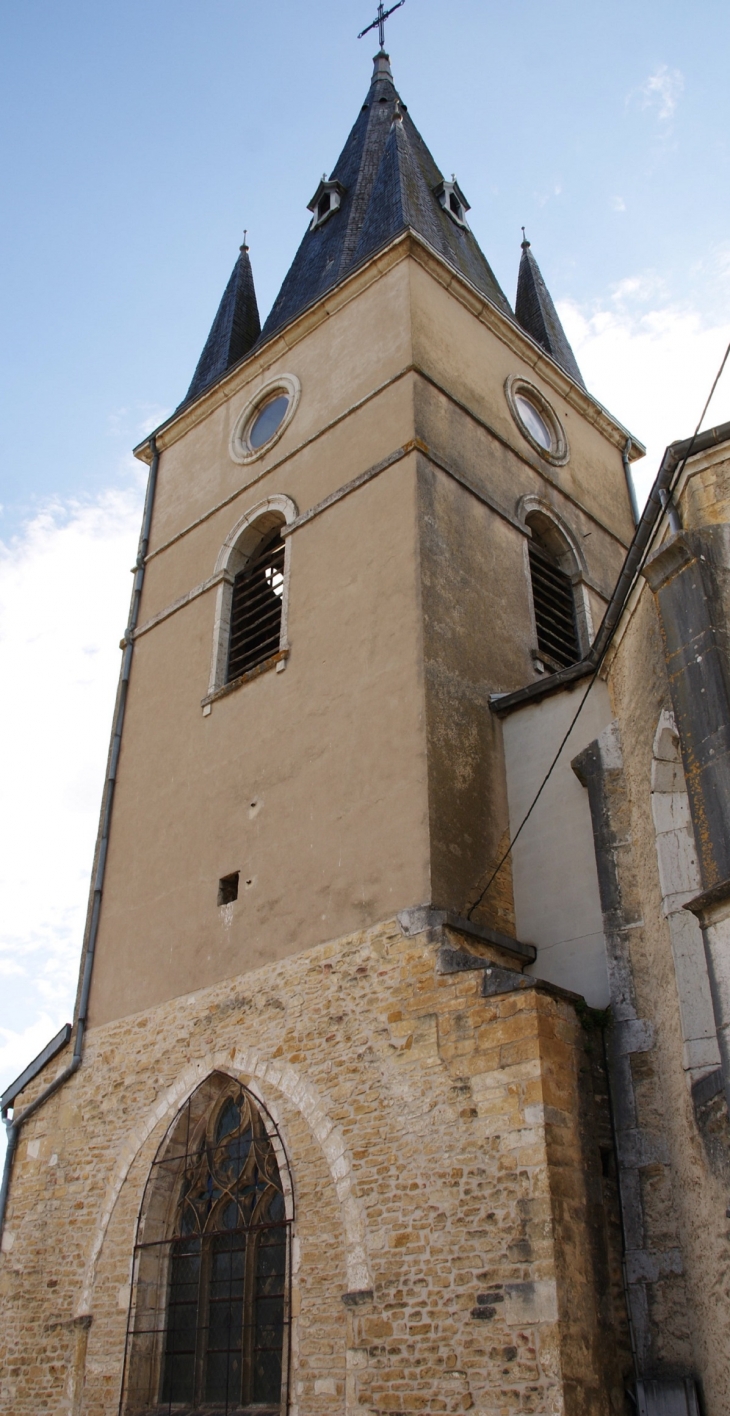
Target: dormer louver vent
x=452, y=199
x=325, y=202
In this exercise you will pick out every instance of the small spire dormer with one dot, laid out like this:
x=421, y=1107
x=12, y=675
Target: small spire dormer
x=325, y=202
x=450, y=196
x=536, y=313
x=385, y=181
x=235, y=328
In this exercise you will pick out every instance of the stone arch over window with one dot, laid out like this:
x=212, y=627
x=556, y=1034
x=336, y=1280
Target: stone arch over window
x=210, y=1308
x=253, y=592
x=556, y=569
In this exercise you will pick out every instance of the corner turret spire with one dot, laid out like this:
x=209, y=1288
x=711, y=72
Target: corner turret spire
x=235, y=328
x=537, y=315
x=385, y=181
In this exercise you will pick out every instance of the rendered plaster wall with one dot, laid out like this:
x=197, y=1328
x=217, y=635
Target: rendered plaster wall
x=310, y=782
x=471, y=639
x=478, y=478
x=372, y=765
x=469, y=363
x=557, y=899
x=445, y=1155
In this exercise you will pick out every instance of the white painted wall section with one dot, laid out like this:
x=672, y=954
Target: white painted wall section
x=557, y=901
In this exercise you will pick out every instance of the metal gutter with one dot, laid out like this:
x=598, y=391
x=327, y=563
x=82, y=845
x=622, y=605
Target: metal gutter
x=659, y=498
x=50, y=1051
x=6, y=1101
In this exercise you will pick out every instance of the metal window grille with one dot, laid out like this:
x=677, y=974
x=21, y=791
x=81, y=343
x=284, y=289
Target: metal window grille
x=256, y=607
x=209, y=1319
x=554, y=602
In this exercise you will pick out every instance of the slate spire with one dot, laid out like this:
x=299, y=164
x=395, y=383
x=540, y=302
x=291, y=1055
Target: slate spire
x=234, y=331
x=384, y=181
x=538, y=316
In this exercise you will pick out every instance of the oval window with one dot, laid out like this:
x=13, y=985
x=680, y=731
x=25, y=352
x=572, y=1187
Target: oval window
x=267, y=421
x=534, y=422
x=264, y=418
x=537, y=420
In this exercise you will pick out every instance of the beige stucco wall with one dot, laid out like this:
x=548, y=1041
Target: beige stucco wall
x=310, y=782
x=471, y=363
x=331, y=751
x=373, y=760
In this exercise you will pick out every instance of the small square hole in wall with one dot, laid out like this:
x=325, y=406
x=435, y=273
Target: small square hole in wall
x=228, y=888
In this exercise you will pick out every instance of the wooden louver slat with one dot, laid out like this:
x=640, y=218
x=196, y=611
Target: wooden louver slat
x=553, y=599
x=256, y=609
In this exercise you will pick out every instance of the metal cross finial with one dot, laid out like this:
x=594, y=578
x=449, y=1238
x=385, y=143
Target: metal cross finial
x=379, y=23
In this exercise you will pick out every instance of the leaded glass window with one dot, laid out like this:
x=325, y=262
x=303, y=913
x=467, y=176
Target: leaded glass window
x=208, y=1329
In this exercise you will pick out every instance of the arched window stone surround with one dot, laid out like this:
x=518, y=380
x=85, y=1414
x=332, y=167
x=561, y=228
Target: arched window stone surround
x=240, y=545
x=679, y=882
x=210, y=1305
x=262, y=1077
x=562, y=541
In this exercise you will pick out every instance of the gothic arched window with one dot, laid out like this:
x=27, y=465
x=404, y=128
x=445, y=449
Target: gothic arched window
x=210, y=1307
x=553, y=594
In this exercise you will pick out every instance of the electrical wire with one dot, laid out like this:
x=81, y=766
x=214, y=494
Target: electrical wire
x=665, y=508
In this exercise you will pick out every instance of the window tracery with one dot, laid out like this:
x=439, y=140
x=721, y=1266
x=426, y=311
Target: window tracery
x=210, y=1309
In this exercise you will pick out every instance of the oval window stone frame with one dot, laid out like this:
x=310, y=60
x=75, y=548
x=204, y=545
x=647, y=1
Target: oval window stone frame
x=240, y=448
x=518, y=387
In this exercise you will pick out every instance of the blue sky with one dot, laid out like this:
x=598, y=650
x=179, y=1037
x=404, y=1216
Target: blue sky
x=137, y=141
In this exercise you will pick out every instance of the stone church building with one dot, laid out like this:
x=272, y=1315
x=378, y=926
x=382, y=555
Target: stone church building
x=363, y=1112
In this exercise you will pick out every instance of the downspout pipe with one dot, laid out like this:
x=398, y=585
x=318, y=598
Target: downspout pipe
x=630, y=481
x=13, y=1126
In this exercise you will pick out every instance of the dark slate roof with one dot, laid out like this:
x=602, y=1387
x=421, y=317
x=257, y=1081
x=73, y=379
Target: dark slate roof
x=537, y=315
x=235, y=328
x=388, y=175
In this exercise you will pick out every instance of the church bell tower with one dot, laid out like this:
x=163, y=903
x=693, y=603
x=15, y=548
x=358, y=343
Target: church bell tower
x=329, y=1143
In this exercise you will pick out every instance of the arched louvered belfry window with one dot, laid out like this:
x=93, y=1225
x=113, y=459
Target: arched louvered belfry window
x=208, y=1325
x=256, y=608
x=553, y=595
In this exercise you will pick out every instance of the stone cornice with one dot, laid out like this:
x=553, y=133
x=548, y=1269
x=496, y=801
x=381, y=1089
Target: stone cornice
x=407, y=244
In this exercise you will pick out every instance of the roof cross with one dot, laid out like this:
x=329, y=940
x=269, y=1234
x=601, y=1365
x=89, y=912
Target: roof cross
x=379, y=23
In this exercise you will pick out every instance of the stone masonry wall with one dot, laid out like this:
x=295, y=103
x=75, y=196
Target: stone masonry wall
x=453, y=1244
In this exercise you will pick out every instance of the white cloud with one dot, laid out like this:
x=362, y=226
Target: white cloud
x=652, y=367
x=661, y=91
x=542, y=198
x=618, y=204
x=64, y=595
